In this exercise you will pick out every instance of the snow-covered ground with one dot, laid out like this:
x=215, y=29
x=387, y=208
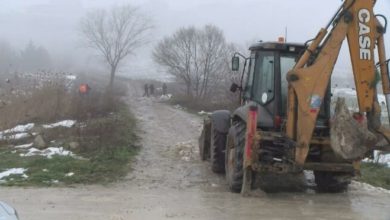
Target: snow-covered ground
x=65, y=123
x=17, y=132
x=13, y=171
x=379, y=157
x=48, y=152
x=17, y=136
x=24, y=146
x=23, y=131
x=165, y=97
x=352, y=102
x=203, y=113
x=20, y=132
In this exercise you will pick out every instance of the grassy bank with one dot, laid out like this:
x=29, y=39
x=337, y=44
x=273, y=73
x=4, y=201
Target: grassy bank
x=106, y=149
x=376, y=175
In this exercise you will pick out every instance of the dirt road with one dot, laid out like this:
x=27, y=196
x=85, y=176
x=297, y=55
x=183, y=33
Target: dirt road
x=169, y=182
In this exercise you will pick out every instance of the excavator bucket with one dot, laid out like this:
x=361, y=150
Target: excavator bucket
x=349, y=137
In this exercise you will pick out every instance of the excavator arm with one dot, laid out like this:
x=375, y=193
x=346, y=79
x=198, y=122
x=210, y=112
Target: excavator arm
x=309, y=79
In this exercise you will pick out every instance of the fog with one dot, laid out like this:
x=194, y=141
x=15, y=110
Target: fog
x=54, y=24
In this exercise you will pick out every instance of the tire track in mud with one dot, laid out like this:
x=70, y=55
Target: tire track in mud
x=169, y=156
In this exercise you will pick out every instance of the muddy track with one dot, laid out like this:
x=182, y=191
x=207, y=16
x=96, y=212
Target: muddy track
x=168, y=181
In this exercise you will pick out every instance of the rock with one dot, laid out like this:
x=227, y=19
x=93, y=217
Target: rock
x=349, y=138
x=74, y=145
x=39, y=142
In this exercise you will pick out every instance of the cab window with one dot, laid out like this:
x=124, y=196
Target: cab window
x=287, y=62
x=249, y=77
x=264, y=83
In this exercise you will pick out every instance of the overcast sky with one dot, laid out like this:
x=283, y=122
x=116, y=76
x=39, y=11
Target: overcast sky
x=53, y=23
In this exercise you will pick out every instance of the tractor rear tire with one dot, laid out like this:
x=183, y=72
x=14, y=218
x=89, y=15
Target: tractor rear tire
x=332, y=182
x=204, y=141
x=217, y=150
x=234, y=157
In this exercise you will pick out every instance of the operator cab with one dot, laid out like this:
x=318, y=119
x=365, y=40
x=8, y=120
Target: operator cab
x=264, y=80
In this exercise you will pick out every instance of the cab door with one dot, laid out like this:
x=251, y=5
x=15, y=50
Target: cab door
x=264, y=88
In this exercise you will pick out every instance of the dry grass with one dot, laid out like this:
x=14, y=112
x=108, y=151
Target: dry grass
x=105, y=132
x=43, y=105
x=53, y=102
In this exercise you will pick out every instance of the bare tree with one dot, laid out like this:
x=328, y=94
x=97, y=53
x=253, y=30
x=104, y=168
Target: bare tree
x=214, y=52
x=115, y=33
x=175, y=53
x=195, y=56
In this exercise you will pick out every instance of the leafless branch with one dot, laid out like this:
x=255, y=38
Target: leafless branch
x=115, y=33
x=195, y=56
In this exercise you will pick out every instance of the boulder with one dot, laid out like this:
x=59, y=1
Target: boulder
x=349, y=138
x=39, y=142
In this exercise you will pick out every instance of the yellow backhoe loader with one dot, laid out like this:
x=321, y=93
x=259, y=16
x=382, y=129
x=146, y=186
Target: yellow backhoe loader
x=284, y=124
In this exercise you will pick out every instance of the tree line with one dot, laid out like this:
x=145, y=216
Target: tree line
x=30, y=58
x=199, y=58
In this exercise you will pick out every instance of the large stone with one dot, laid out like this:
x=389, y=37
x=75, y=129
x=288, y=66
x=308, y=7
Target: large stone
x=74, y=145
x=349, y=138
x=39, y=142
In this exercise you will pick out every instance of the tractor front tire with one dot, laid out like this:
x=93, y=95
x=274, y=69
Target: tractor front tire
x=234, y=156
x=217, y=150
x=204, y=141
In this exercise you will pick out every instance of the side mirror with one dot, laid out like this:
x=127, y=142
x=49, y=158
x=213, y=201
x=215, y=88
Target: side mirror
x=234, y=87
x=235, y=63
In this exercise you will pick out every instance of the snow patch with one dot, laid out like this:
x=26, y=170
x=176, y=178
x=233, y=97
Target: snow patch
x=24, y=146
x=49, y=152
x=65, y=123
x=344, y=92
x=382, y=158
x=178, y=107
x=18, y=129
x=20, y=136
x=15, y=136
x=17, y=132
x=13, y=171
x=165, y=97
x=69, y=174
x=379, y=157
x=368, y=187
x=204, y=113
x=71, y=77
